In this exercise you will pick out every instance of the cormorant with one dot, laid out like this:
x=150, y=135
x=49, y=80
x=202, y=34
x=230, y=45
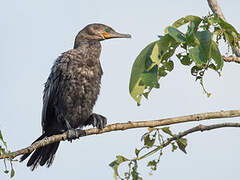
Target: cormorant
x=71, y=91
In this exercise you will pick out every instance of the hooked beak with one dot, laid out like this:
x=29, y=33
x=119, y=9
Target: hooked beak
x=115, y=35
x=119, y=35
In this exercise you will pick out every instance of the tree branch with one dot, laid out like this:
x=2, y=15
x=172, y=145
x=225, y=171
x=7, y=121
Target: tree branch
x=231, y=59
x=128, y=125
x=213, y=4
x=200, y=128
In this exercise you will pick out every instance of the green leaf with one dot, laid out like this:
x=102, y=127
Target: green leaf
x=155, y=55
x=225, y=25
x=121, y=159
x=182, y=144
x=185, y=60
x=1, y=138
x=213, y=67
x=166, y=47
x=12, y=173
x=145, y=61
x=150, y=78
x=2, y=150
x=169, y=65
x=137, y=69
x=145, y=94
x=6, y=171
x=176, y=34
x=231, y=39
x=195, y=70
x=153, y=165
x=198, y=78
x=201, y=53
x=115, y=165
x=204, y=38
x=190, y=34
x=216, y=55
x=197, y=56
x=229, y=32
x=197, y=20
x=174, y=147
x=148, y=142
x=162, y=72
x=167, y=131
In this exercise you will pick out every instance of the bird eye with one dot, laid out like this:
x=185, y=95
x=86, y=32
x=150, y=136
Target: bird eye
x=107, y=30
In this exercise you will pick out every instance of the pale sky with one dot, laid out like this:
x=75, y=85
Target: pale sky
x=34, y=33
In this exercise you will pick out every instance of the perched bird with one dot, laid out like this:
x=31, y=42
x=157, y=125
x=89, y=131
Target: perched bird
x=71, y=91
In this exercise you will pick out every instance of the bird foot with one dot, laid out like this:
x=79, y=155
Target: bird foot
x=97, y=120
x=75, y=134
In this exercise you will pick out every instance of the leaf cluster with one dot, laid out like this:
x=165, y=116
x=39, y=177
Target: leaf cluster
x=4, y=150
x=154, y=141
x=198, y=47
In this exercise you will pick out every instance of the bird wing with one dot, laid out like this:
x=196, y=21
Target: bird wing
x=67, y=84
x=51, y=89
x=57, y=83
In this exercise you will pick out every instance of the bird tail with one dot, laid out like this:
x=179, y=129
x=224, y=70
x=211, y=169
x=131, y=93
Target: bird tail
x=43, y=155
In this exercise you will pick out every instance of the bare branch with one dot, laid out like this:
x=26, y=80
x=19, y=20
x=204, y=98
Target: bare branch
x=129, y=125
x=213, y=4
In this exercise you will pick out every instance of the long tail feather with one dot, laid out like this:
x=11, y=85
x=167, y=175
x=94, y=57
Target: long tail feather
x=43, y=155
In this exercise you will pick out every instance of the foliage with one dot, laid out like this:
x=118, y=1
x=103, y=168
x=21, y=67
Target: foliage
x=4, y=150
x=153, y=143
x=198, y=48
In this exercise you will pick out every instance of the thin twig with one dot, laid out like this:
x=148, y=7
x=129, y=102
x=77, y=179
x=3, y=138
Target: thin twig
x=129, y=125
x=187, y=132
x=200, y=128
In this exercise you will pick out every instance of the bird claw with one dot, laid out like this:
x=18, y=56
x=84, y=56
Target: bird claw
x=75, y=134
x=97, y=120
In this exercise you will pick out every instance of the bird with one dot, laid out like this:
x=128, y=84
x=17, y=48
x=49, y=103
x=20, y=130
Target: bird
x=71, y=91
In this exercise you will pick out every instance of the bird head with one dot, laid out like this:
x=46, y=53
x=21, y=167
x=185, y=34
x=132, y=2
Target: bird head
x=99, y=32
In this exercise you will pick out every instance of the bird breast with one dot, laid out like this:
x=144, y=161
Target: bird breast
x=79, y=86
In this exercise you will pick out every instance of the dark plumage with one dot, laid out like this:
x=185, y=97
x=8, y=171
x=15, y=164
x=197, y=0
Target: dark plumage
x=71, y=91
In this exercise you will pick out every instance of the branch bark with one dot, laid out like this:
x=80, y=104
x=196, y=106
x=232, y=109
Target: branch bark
x=231, y=59
x=128, y=125
x=213, y=4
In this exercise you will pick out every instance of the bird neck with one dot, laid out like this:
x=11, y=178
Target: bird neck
x=91, y=46
x=83, y=40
